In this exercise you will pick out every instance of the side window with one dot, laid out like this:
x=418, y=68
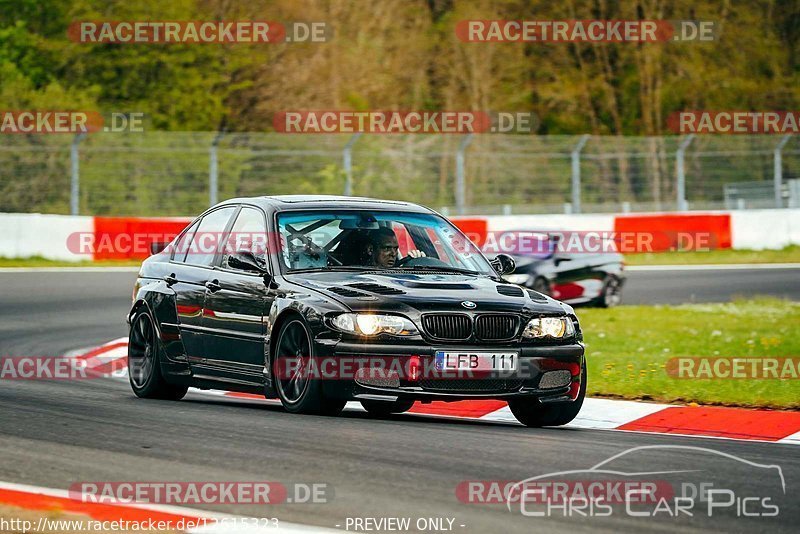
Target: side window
x=249, y=233
x=182, y=244
x=207, y=240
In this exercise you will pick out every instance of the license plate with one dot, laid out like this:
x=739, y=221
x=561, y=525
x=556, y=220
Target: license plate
x=475, y=361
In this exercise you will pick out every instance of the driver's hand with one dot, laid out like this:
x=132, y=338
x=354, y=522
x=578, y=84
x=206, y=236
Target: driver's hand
x=416, y=254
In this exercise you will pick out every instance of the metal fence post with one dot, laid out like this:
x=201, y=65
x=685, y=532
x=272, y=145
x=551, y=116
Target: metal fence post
x=213, y=170
x=347, y=160
x=576, y=173
x=680, y=170
x=75, y=180
x=461, y=194
x=777, y=162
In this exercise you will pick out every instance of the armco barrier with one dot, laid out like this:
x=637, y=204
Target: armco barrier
x=56, y=237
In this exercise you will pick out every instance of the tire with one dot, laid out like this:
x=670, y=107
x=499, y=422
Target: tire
x=144, y=362
x=299, y=393
x=377, y=408
x=611, y=294
x=532, y=413
x=541, y=285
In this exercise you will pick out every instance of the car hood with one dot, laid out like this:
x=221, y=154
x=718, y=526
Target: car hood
x=404, y=292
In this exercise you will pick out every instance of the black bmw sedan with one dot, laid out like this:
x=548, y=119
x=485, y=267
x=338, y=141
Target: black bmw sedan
x=317, y=300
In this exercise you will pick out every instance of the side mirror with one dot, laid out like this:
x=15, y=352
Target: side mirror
x=503, y=264
x=246, y=261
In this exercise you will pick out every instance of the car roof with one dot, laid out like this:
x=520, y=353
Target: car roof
x=296, y=202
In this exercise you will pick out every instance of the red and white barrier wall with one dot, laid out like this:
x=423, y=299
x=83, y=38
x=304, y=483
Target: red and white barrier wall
x=745, y=229
x=76, y=238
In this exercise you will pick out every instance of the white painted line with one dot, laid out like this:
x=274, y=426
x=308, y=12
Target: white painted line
x=598, y=414
x=794, y=439
x=714, y=267
x=227, y=526
x=608, y=413
x=69, y=270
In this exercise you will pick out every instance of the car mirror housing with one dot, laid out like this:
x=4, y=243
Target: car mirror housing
x=246, y=261
x=503, y=264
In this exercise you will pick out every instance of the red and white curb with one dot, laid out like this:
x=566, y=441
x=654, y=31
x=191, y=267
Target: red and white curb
x=48, y=500
x=598, y=414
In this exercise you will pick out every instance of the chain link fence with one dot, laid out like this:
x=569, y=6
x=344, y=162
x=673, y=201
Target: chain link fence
x=181, y=173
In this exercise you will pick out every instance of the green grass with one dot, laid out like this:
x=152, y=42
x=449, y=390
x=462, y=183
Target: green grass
x=627, y=349
x=38, y=261
x=790, y=254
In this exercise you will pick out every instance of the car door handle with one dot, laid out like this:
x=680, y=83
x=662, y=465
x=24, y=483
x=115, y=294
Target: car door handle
x=170, y=279
x=213, y=286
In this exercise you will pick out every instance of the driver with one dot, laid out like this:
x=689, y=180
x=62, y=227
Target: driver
x=382, y=248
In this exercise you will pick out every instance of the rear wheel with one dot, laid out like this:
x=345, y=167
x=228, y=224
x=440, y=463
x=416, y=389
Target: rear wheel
x=611, y=294
x=533, y=413
x=377, y=408
x=298, y=391
x=144, y=369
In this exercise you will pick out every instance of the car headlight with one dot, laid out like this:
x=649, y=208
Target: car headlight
x=552, y=327
x=521, y=279
x=369, y=324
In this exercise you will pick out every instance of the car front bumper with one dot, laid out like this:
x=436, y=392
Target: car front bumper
x=533, y=363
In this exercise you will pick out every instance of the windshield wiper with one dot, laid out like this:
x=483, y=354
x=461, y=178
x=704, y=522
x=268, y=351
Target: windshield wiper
x=447, y=269
x=348, y=268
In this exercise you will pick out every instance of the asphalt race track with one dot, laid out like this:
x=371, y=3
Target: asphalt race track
x=56, y=433
x=675, y=285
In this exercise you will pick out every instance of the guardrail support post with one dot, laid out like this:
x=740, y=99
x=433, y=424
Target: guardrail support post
x=680, y=170
x=461, y=196
x=347, y=160
x=213, y=170
x=75, y=180
x=576, y=173
x=777, y=166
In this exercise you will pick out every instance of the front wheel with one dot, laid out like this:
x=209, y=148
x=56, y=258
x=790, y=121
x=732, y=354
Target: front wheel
x=377, y=408
x=144, y=369
x=533, y=413
x=297, y=390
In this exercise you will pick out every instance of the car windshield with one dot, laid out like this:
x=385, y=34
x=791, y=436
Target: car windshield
x=370, y=240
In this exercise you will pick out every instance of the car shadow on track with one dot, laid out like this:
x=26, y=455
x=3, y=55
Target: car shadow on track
x=353, y=415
